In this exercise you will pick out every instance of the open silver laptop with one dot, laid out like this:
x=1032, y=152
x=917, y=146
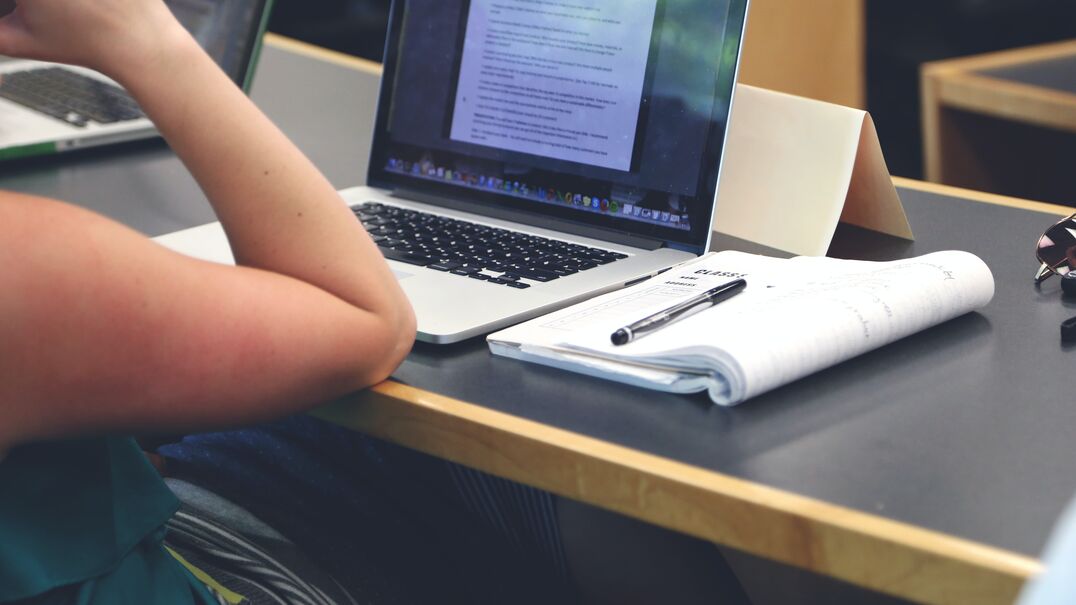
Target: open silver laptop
x=47, y=108
x=530, y=154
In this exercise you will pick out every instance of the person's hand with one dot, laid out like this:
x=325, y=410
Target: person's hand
x=106, y=35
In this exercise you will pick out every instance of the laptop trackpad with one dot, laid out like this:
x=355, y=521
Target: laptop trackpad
x=400, y=275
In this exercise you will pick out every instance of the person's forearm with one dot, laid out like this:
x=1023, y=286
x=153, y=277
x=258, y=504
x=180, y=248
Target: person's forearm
x=278, y=210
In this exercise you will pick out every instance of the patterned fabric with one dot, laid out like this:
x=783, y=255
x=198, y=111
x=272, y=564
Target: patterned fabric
x=523, y=516
x=241, y=570
x=392, y=525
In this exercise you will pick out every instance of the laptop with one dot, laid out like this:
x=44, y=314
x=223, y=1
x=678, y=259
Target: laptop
x=529, y=154
x=47, y=108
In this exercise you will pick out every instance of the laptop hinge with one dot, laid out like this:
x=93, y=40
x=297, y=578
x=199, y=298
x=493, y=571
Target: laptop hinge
x=534, y=220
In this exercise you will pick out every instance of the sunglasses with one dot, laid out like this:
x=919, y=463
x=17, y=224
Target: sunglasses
x=1057, y=249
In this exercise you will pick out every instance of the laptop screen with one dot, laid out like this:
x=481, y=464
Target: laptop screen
x=602, y=112
x=227, y=29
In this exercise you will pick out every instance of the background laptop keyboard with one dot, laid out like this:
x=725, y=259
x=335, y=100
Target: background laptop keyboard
x=499, y=256
x=69, y=96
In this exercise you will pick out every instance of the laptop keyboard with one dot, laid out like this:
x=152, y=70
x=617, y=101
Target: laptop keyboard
x=69, y=96
x=471, y=250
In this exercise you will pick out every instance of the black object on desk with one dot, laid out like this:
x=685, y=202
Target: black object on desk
x=1068, y=330
x=1068, y=284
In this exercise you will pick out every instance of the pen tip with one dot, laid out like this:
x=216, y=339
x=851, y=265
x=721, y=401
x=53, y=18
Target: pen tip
x=620, y=337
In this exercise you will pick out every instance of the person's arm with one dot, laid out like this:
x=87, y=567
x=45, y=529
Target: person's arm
x=103, y=330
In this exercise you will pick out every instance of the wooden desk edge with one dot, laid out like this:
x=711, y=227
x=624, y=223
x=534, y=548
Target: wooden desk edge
x=324, y=54
x=999, y=98
x=984, y=197
x=1006, y=58
x=863, y=549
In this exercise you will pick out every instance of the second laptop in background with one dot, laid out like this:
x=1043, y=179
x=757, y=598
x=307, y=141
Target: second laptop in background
x=47, y=108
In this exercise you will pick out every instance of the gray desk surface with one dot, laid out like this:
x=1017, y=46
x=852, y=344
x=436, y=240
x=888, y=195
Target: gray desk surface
x=965, y=429
x=1055, y=74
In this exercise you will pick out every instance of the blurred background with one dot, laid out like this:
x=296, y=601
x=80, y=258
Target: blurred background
x=863, y=53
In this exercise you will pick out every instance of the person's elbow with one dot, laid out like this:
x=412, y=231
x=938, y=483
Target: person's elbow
x=405, y=330
x=395, y=337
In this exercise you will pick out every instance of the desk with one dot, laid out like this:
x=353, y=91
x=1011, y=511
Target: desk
x=932, y=469
x=1003, y=122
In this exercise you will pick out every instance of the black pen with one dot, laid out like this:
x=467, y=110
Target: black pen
x=662, y=318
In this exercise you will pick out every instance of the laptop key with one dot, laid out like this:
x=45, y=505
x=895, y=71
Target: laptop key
x=518, y=285
x=405, y=257
x=371, y=208
x=537, y=274
x=444, y=266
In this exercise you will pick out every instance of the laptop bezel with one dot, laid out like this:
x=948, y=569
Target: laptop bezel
x=255, y=45
x=504, y=206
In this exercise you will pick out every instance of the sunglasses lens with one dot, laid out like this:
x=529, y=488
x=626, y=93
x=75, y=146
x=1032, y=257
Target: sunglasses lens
x=1057, y=247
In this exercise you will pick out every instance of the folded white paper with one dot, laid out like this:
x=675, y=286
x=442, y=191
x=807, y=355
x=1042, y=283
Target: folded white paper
x=794, y=167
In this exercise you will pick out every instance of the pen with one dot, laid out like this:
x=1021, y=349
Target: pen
x=662, y=318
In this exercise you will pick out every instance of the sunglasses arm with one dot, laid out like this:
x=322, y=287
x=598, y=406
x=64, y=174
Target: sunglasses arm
x=1043, y=272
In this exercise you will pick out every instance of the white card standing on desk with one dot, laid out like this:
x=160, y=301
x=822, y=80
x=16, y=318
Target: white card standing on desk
x=794, y=167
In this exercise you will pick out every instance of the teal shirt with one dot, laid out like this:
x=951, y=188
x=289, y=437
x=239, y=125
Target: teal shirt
x=81, y=522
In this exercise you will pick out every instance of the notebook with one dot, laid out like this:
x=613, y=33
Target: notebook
x=529, y=154
x=797, y=316
x=48, y=108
